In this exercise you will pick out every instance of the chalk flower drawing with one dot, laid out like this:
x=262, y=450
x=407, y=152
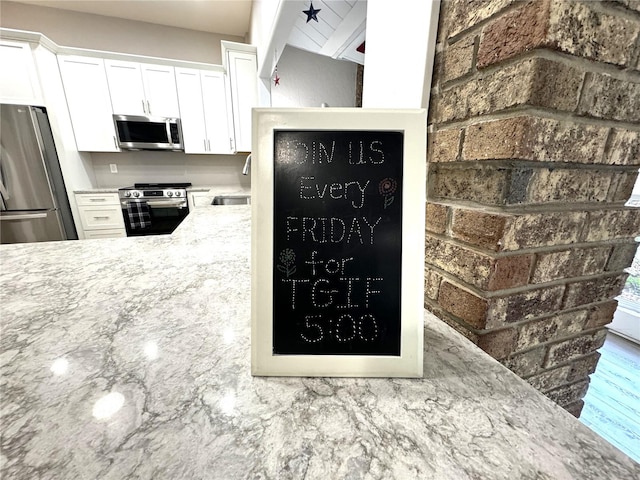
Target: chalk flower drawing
x=287, y=260
x=387, y=188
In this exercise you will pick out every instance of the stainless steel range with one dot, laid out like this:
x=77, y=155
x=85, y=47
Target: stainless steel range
x=153, y=208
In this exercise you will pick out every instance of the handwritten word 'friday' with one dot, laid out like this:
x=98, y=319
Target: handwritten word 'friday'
x=331, y=229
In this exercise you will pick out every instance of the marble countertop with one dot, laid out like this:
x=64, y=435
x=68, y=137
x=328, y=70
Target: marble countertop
x=206, y=194
x=130, y=358
x=215, y=189
x=97, y=190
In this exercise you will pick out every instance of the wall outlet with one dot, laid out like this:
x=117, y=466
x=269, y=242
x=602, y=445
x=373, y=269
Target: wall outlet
x=113, y=167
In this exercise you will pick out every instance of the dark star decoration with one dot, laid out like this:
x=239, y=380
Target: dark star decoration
x=276, y=80
x=311, y=13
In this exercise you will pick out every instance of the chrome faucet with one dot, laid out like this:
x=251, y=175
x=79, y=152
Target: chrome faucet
x=247, y=165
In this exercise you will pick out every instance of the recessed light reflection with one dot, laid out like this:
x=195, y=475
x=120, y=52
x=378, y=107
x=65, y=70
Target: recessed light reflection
x=228, y=403
x=108, y=405
x=60, y=366
x=228, y=336
x=151, y=350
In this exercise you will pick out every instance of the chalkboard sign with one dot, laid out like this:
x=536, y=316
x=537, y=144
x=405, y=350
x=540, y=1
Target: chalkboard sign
x=335, y=194
x=337, y=242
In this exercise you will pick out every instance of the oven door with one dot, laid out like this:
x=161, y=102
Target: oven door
x=164, y=216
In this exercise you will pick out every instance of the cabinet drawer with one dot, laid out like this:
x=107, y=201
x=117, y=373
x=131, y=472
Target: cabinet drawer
x=101, y=217
x=114, y=233
x=97, y=199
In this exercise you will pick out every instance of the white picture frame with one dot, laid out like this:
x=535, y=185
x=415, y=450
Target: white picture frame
x=413, y=124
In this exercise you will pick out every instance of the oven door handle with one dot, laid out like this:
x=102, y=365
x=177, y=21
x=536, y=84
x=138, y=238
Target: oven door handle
x=160, y=203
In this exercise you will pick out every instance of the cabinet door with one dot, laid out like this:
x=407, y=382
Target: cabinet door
x=214, y=99
x=160, y=90
x=125, y=85
x=19, y=83
x=194, y=134
x=85, y=86
x=244, y=95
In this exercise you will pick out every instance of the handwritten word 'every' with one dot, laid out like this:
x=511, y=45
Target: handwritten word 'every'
x=310, y=190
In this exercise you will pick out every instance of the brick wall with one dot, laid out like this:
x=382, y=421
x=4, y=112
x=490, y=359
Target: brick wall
x=534, y=149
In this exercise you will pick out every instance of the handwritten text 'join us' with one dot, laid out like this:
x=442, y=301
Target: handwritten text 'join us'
x=354, y=153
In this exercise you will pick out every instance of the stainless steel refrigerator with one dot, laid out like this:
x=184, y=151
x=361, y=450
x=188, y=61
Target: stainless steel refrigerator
x=33, y=202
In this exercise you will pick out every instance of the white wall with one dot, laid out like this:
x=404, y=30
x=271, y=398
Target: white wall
x=308, y=80
x=200, y=170
x=401, y=42
x=263, y=17
x=98, y=32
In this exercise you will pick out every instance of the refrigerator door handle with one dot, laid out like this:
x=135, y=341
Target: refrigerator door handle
x=22, y=216
x=3, y=189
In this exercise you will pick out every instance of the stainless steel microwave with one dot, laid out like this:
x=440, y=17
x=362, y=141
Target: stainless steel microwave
x=148, y=133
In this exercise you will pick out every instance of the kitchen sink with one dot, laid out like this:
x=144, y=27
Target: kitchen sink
x=231, y=200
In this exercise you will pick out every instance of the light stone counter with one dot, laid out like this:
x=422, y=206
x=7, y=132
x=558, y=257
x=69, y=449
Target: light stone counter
x=129, y=358
x=98, y=190
x=205, y=194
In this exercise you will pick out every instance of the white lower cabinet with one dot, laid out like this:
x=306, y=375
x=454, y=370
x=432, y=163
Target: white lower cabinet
x=101, y=215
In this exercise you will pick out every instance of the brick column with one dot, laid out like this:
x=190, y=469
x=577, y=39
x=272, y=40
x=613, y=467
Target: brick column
x=534, y=149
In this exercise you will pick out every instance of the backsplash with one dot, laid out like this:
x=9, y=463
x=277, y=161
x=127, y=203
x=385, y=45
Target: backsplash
x=152, y=166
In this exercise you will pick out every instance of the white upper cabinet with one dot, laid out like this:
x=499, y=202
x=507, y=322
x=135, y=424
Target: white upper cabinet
x=203, y=111
x=85, y=86
x=142, y=89
x=214, y=99
x=243, y=79
x=194, y=132
x=125, y=86
x=19, y=83
x=160, y=90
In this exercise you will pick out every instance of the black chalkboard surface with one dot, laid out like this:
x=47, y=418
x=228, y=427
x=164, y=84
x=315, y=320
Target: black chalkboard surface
x=337, y=242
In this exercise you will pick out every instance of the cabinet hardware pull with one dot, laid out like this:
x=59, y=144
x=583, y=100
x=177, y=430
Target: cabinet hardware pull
x=115, y=142
x=148, y=107
x=98, y=199
x=22, y=216
x=143, y=107
x=204, y=141
x=101, y=218
x=209, y=145
x=230, y=143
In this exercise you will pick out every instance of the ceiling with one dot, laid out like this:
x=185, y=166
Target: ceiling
x=229, y=17
x=337, y=30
